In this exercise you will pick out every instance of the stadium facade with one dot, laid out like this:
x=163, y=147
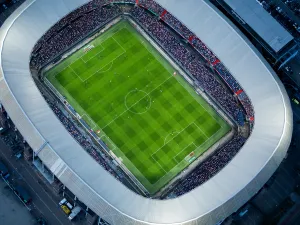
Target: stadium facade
x=209, y=203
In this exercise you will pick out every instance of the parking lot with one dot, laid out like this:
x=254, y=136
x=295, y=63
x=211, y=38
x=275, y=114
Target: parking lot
x=12, y=210
x=44, y=203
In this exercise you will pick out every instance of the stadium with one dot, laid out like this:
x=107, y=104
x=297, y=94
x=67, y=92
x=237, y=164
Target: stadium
x=149, y=112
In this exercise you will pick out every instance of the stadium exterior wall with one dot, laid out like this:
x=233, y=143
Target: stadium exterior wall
x=209, y=203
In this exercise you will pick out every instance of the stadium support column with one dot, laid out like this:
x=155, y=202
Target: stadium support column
x=41, y=148
x=86, y=211
x=75, y=198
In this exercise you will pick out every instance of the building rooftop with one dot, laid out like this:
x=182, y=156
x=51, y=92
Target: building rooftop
x=275, y=35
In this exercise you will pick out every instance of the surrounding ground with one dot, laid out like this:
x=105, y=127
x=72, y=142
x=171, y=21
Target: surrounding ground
x=12, y=211
x=44, y=202
x=148, y=115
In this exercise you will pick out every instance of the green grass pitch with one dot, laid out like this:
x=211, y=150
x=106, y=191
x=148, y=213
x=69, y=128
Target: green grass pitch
x=151, y=119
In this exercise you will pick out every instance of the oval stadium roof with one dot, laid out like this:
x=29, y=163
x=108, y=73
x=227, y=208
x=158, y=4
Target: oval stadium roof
x=209, y=203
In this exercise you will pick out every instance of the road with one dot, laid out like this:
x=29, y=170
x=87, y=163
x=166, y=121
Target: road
x=12, y=211
x=43, y=200
x=287, y=10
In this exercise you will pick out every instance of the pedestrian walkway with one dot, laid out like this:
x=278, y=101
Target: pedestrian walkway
x=12, y=211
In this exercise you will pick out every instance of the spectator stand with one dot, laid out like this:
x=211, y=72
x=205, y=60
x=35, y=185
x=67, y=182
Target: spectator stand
x=87, y=20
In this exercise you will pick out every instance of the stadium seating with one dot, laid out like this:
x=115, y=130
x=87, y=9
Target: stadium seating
x=153, y=19
x=87, y=145
x=210, y=167
x=152, y=6
x=71, y=29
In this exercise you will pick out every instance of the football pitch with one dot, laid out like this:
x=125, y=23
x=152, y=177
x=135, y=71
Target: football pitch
x=147, y=115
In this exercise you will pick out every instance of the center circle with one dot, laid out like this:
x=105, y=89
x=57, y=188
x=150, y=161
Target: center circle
x=137, y=101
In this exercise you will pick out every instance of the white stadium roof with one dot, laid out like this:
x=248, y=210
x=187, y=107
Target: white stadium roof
x=207, y=204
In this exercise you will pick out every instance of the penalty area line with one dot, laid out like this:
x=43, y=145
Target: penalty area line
x=90, y=120
x=159, y=164
x=174, y=157
x=99, y=71
x=76, y=73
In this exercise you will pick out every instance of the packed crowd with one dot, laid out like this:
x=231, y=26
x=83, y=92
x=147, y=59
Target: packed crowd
x=97, y=13
x=203, y=50
x=189, y=61
x=247, y=105
x=118, y=1
x=182, y=30
x=152, y=6
x=216, y=90
x=177, y=25
x=91, y=16
x=210, y=167
x=223, y=72
x=235, y=87
x=71, y=29
x=81, y=139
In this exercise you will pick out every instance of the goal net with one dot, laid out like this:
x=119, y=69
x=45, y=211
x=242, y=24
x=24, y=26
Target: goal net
x=88, y=48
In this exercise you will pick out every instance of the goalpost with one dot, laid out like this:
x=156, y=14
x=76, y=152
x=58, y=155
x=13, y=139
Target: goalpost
x=88, y=48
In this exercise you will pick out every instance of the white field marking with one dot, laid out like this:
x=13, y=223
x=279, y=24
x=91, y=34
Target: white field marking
x=172, y=138
x=67, y=66
x=96, y=126
x=197, y=147
x=211, y=137
x=201, y=130
x=159, y=165
x=174, y=132
x=128, y=108
x=110, y=141
x=208, y=138
x=199, y=103
x=105, y=39
x=90, y=120
x=85, y=61
x=146, y=47
x=76, y=74
x=111, y=62
x=136, y=102
x=174, y=157
x=64, y=68
x=79, y=58
x=118, y=43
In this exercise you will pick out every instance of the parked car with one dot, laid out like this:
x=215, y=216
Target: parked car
x=41, y=221
x=23, y=194
x=66, y=209
x=4, y=171
x=74, y=212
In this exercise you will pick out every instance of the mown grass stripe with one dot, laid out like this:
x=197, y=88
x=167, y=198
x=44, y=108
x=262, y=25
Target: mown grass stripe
x=155, y=133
